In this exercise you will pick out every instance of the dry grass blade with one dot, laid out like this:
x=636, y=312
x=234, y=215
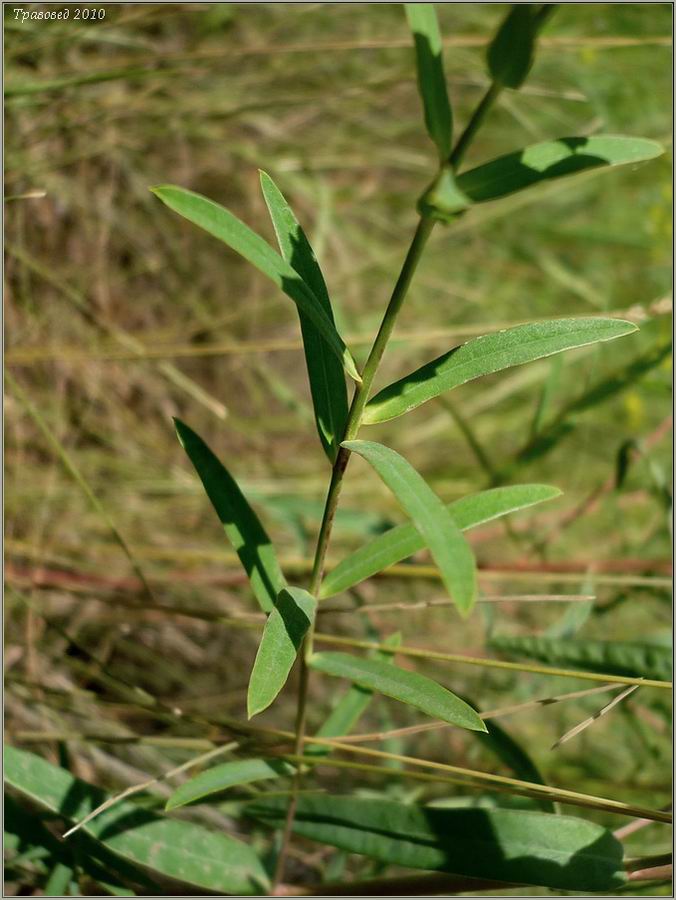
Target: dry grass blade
x=631, y=827
x=491, y=714
x=134, y=347
x=441, y=601
x=73, y=470
x=493, y=663
x=137, y=788
x=591, y=719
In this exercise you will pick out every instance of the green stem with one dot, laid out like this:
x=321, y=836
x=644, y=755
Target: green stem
x=359, y=400
x=474, y=124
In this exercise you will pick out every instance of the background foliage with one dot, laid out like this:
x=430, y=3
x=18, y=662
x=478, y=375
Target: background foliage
x=120, y=316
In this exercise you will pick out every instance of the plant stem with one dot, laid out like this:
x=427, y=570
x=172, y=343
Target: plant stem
x=474, y=124
x=359, y=400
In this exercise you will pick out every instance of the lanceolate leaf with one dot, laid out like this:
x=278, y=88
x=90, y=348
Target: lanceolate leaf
x=422, y=20
x=241, y=524
x=522, y=847
x=180, y=850
x=351, y=706
x=409, y=687
x=404, y=540
x=283, y=635
x=552, y=159
x=631, y=658
x=510, y=53
x=488, y=354
x=327, y=381
x=448, y=547
x=221, y=223
x=227, y=775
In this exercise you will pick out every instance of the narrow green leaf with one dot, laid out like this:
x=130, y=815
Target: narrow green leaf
x=227, y=775
x=404, y=540
x=283, y=635
x=422, y=20
x=179, y=850
x=448, y=547
x=409, y=687
x=523, y=847
x=327, y=381
x=552, y=159
x=511, y=52
x=351, y=706
x=241, y=524
x=221, y=223
x=632, y=658
x=487, y=354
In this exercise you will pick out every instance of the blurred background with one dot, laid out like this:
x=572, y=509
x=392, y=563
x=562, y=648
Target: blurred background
x=119, y=315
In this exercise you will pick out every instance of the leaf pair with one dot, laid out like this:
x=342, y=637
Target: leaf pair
x=510, y=57
x=404, y=540
x=298, y=274
x=341, y=721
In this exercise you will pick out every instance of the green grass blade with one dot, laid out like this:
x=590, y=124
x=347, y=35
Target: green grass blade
x=351, y=706
x=552, y=159
x=486, y=355
x=283, y=635
x=221, y=223
x=631, y=658
x=327, y=381
x=184, y=851
x=227, y=775
x=408, y=687
x=448, y=547
x=241, y=524
x=404, y=540
x=422, y=20
x=522, y=847
x=511, y=52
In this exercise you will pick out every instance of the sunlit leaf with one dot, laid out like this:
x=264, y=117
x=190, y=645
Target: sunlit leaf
x=227, y=775
x=448, y=547
x=552, y=159
x=179, y=850
x=351, y=706
x=632, y=658
x=422, y=20
x=325, y=372
x=221, y=223
x=282, y=638
x=487, y=354
x=408, y=687
x=519, y=846
x=241, y=524
x=404, y=540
